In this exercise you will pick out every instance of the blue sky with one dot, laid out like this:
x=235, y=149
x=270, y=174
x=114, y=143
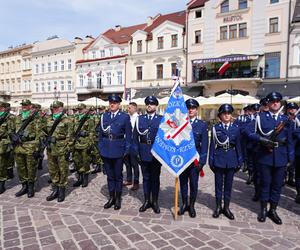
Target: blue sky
x=26, y=21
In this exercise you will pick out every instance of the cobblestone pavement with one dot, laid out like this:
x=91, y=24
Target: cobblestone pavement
x=82, y=223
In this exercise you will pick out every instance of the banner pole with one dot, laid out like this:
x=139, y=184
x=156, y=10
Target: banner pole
x=176, y=198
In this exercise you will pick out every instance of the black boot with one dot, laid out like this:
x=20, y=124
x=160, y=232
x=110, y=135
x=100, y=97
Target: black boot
x=53, y=195
x=146, y=204
x=227, y=212
x=272, y=214
x=255, y=198
x=85, y=180
x=30, y=192
x=290, y=180
x=111, y=201
x=118, y=201
x=155, y=205
x=218, y=209
x=61, y=194
x=2, y=187
x=97, y=169
x=23, y=190
x=263, y=211
x=79, y=180
x=245, y=167
x=10, y=173
x=297, y=199
x=184, y=207
x=250, y=178
x=192, y=211
x=40, y=163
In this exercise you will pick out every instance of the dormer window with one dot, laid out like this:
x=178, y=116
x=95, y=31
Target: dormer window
x=198, y=13
x=139, y=45
x=160, y=42
x=102, y=53
x=174, y=41
x=225, y=6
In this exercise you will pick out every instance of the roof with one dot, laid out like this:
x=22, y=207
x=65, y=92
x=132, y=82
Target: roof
x=101, y=59
x=196, y=3
x=51, y=44
x=296, y=16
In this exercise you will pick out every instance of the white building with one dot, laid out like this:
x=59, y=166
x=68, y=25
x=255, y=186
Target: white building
x=53, y=66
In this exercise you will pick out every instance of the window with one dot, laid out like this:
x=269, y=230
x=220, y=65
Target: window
x=159, y=71
x=232, y=31
x=160, y=42
x=90, y=83
x=81, y=80
x=69, y=64
x=174, y=40
x=122, y=51
x=43, y=67
x=274, y=1
x=43, y=87
x=273, y=25
x=55, y=66
x=36, y=68
x=99, y=81
x=49, y=87
x=242, y=29
x=62, y=85
x=36, y=87
x=93, y=54
x=108, y=78
x=223, y=33
x=272, y=65
x=62, y=65
x=119, y=76
x=70, y=87
x=198, y=36
x=225, y=6
x=111, y=52
x=139, y=45
x=243, y=4
x=174, y=69
x=102, y=53
x=49, y=67
x=55, y=86
x=198, y=13
x=139, y=73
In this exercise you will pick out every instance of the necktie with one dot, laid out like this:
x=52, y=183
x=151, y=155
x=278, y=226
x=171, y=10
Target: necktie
x=112, y=116
x=274, y=117
x=226, y=127
x=149, y=117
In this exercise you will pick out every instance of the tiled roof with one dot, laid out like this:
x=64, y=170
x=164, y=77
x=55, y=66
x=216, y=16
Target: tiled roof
x=296, y=16
x=196, y=3
x=101, y=59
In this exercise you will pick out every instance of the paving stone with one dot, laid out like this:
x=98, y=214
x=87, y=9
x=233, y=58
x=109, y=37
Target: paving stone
x=120, y=241
x=48, y=241
x=194, y=242
x=144, y=245
x=135, y=237
x=87, y=244
x=69, y=245
x=101, y=240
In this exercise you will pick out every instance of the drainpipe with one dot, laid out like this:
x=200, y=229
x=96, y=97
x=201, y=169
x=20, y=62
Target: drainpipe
x=288, y=42
x=186, y=52
x=124, y=95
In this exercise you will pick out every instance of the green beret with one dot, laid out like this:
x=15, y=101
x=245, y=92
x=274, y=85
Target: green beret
x=25, y=102
x=81, y=106
x=57, y=104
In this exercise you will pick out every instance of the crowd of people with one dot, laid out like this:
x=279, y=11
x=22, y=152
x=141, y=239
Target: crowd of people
x=264, y=141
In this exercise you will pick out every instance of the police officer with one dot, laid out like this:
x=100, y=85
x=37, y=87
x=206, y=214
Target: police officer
x=7, y=126
x=143, y=138
x=58, y=144
x=115, y=136
x=27, y=146
x=83, y=142
x=225, y=158
x=263, y=105
x=275, y=153
x=191, y=174
x=296, y=137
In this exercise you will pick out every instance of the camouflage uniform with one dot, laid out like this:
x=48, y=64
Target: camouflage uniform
x=7, y=127
x=83, y=147
x=57, y=149
x=25, y=153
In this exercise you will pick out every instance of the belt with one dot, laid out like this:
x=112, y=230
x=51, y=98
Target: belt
x=148, y=142
x=278, y=144
x=113, y=137
x=226, y=147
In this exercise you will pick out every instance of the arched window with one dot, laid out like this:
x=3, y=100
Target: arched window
x=225, y=6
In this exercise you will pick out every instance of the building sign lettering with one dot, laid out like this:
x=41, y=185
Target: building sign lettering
x=233, y=18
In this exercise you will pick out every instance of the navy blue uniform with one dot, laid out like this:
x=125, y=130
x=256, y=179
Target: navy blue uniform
x=225, y=158
x=115, y=135
x=296, y=137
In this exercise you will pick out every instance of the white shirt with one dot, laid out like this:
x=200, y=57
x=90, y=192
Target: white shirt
x=192, y=119
x=114, y=114
x=150, y=116
x=274, y=115
x=133, y=118
x=226, y=124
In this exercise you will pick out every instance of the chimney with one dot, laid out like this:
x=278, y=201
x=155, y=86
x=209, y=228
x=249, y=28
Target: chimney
x=149, y=21
x=77, y=39
x=89, y=38
x=118, y=27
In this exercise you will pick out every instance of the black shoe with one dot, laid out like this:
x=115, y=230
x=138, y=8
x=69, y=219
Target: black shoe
x=118, y=201
x=272, y=214
x=2, y=187
x=218, y=209
x=10, y=173
x=53, y=195
x=263, y=211
x=227, y=212
x=23, y=190
x=255, y=198
x=85, y=180
x=192, y=211
x=146, y=204
x=97, y=169
x=184, y=207
x=111, y=201
x=30, y=192
x=79, y=180
x=61, y=194
x=155, y=205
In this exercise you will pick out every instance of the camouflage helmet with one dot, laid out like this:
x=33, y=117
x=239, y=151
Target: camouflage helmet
x=81, y=106
x=57, y=104
x=26, y=102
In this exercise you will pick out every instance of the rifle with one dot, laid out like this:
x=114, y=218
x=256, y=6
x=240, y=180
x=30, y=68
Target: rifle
x=78, y=130
x=16, y=138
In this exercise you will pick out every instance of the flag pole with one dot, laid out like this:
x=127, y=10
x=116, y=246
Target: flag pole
x=176, y=198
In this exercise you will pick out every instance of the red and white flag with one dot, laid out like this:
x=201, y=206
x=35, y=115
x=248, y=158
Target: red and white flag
x=89, y=74
x=223, y=68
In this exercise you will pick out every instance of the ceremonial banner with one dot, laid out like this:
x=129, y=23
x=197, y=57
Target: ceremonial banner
x=174, y=144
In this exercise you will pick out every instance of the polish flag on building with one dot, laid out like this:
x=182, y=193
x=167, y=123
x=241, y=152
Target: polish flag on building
x=223, y=68
x=89, y=74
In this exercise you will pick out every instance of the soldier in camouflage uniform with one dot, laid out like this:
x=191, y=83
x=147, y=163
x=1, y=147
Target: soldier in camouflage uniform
x=83, y=145
x=10, y=154
x=7, y=126
x=58, y=145
x=27, y=148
